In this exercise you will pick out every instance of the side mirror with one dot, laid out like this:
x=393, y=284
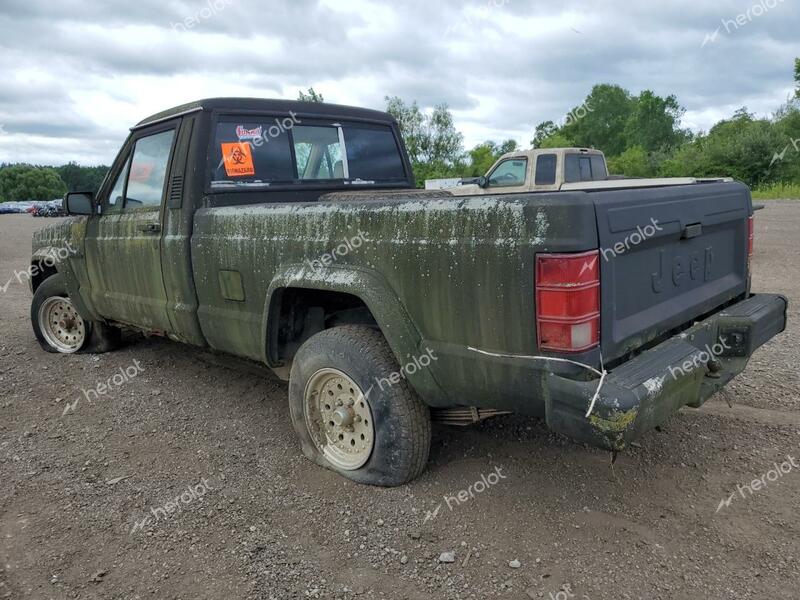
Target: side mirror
x=79, y=203
x=482, y=181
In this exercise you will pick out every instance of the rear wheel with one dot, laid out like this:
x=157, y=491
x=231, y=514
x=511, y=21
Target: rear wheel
x=346, y=420
x=60, y=329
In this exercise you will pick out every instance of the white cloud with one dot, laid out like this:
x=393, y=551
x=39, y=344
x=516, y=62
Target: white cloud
x=503, y=66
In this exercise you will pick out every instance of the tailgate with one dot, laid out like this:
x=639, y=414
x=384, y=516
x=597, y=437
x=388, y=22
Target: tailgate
x=667, y=256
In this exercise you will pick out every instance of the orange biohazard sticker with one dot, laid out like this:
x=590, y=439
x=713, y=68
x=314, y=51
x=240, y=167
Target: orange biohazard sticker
x=238, y=159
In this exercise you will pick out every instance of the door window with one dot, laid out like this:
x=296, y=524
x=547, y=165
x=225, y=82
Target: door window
x=509, y=173
x=116, y=198
x=148, y=170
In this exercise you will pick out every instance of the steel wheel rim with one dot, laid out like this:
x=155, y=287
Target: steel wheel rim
x=339, y=419
x=61, y=325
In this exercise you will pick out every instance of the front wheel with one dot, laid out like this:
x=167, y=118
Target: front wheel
x=60, y=329
x=349, y=419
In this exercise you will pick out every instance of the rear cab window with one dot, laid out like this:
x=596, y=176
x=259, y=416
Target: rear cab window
x=584, y=167
x=262, y=152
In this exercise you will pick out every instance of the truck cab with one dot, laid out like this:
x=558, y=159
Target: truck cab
x=559, y=169
x=540, y=170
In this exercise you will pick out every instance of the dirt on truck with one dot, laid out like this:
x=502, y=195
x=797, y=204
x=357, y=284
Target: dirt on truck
x=290, y=234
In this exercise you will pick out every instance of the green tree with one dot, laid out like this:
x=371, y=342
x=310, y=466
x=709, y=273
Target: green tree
x=741, y=147
x=654, y=123
x=634, y=162
x=434, y=146
x=557, y=140
x=81, y=179
x=786, y=166
x=481, y=158
x=506, y=147
x=797, y=77
x=310, y=96
x=543, y=131
x=26, y=182
x=600, y=121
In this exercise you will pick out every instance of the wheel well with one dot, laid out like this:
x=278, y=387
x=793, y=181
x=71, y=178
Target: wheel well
x=299, y=313
x=40, y=271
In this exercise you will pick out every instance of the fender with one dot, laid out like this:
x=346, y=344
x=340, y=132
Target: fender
x=49, y=247
x=370, y=287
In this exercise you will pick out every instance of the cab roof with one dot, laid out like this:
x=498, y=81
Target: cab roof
x=308, y=109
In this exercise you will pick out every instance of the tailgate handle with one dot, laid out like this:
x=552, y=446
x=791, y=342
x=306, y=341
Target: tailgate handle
x=692, y=231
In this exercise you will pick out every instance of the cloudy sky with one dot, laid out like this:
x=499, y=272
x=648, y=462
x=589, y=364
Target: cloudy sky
x=75, y=75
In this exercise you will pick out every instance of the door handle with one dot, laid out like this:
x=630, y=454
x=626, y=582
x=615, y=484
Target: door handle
x=150, y=228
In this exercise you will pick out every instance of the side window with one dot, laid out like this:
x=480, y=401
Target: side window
x=115, y=199
x=318, y=152
x=546, y=169
x=598, y=168
x=584, y=168
x=148, y=170
x=509, y=173
x=372, y=153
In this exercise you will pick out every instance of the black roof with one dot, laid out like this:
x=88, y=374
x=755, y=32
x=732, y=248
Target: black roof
x=309, y=109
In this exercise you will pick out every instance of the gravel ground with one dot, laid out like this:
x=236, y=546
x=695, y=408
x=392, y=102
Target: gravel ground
x=186, y=481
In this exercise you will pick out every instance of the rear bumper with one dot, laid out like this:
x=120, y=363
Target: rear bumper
x=682, y=371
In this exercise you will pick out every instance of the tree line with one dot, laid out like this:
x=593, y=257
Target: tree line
x=23, y=182
x=640, y=134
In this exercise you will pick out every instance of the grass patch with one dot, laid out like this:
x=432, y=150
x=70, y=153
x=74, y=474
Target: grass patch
x=777, y=191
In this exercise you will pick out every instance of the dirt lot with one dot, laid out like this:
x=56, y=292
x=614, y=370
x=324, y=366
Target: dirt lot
x=249, y=517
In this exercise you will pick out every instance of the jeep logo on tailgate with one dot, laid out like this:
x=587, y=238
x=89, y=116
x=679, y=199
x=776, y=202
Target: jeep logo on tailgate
x=682, y=268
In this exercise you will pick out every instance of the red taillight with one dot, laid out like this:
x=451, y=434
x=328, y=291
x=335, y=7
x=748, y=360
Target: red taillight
x=568, y=301
x=750, y=237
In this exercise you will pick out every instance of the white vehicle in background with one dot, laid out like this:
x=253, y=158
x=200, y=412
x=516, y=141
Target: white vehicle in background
x=559, y=169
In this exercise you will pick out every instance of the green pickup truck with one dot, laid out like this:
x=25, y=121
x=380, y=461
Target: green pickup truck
x=290, y=234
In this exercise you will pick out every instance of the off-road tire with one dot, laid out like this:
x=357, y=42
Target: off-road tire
x=401, y=421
